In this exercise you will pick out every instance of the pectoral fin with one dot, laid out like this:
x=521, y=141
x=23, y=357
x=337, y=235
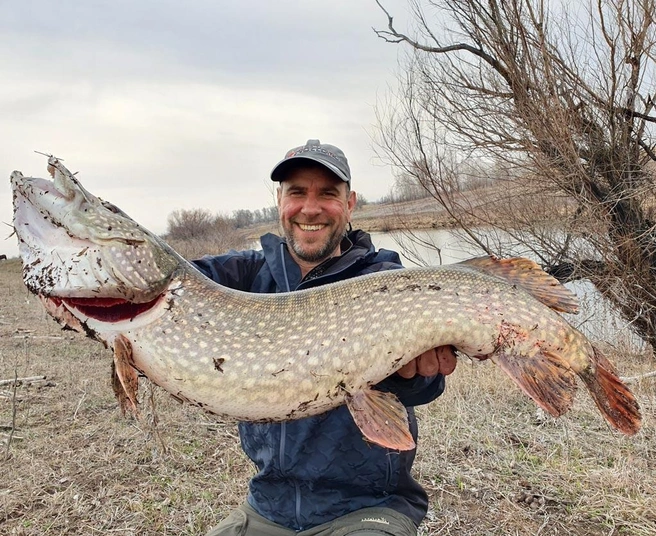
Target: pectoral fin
x=382, y=419
x=125, y=380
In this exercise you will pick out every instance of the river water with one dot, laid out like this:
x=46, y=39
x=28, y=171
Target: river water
x=596, y=318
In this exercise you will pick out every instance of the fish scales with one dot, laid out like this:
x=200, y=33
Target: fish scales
x=271, y=357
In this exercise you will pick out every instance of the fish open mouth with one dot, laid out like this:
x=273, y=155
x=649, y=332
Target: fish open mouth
x=107, y=310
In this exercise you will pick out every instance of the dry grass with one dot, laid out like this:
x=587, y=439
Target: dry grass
x=491, y=463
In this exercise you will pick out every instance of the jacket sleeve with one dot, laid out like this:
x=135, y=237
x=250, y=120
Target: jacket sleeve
x=415, y=391
x=236, y=269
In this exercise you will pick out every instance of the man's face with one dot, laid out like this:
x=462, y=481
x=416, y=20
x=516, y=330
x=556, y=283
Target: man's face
x=315, y=207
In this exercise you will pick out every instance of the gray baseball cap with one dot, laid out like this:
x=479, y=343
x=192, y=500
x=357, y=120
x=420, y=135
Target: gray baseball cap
x=328, y=156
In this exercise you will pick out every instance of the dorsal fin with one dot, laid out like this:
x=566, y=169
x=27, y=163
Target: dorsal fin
x=528, y=275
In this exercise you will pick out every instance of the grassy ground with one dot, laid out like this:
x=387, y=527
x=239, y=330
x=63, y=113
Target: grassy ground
x=71, y=464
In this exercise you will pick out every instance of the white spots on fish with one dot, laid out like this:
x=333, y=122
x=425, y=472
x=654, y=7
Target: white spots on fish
x=248, y=383
x=271, y=367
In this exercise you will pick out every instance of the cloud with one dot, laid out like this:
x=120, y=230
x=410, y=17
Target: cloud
x=163, y=105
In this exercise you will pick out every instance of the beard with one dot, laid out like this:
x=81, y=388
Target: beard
x=320, y=254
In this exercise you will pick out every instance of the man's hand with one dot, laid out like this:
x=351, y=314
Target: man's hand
x=440, y=360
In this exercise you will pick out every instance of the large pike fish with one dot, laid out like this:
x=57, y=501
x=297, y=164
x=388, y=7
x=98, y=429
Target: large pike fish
x=261, y=357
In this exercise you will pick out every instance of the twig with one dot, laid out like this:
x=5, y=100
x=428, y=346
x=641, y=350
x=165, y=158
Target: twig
x=29, y=379
x=43, y=337
x=13, y=415
x=154, y=418
x=78, y=405
x=634, y=379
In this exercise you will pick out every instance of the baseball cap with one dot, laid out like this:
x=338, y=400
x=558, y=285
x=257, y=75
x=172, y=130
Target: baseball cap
x=327, y=155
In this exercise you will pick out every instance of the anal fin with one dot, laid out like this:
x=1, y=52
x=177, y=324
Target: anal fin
x=125, y=379
x=382, y=419
x=545, y=377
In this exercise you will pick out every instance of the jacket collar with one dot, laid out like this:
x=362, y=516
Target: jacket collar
x=356, y=247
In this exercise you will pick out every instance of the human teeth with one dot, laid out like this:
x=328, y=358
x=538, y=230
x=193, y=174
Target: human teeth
x=310, y=227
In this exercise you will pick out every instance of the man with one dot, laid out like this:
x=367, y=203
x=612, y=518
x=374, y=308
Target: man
x=318, y=476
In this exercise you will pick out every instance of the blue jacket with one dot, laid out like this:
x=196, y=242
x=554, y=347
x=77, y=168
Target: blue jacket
x=315, y=469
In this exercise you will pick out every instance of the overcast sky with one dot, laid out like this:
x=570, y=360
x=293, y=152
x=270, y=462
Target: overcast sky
x=163, y=105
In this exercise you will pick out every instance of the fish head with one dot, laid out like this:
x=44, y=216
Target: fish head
x=75, y=245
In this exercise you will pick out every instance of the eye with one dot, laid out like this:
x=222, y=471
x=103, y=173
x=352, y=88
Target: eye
x=111, y=207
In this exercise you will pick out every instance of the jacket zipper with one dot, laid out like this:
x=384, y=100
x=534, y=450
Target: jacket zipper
x=283, y=425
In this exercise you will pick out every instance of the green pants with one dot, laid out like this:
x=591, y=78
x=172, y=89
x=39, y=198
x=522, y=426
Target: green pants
x=366, y=522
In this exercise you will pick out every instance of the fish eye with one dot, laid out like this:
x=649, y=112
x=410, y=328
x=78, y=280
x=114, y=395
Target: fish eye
x=111, y=207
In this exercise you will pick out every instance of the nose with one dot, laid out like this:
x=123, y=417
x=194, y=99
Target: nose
x=311, y=206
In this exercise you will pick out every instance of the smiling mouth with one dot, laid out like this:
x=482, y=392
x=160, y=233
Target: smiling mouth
x=314, y=227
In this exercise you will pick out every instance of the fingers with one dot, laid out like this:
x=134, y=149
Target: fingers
x=447, y=358
x=436, y=360
x=409, y=370
x=428, y=363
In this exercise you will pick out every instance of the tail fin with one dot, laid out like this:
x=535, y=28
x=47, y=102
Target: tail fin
x=613, y=398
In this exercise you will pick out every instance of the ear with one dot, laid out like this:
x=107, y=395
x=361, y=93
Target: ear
x=350, y=203
x=279, y=194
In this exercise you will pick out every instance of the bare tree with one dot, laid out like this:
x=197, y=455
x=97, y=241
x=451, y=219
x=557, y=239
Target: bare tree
x=559, y=99
x=188, y=224
x=197, y=232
